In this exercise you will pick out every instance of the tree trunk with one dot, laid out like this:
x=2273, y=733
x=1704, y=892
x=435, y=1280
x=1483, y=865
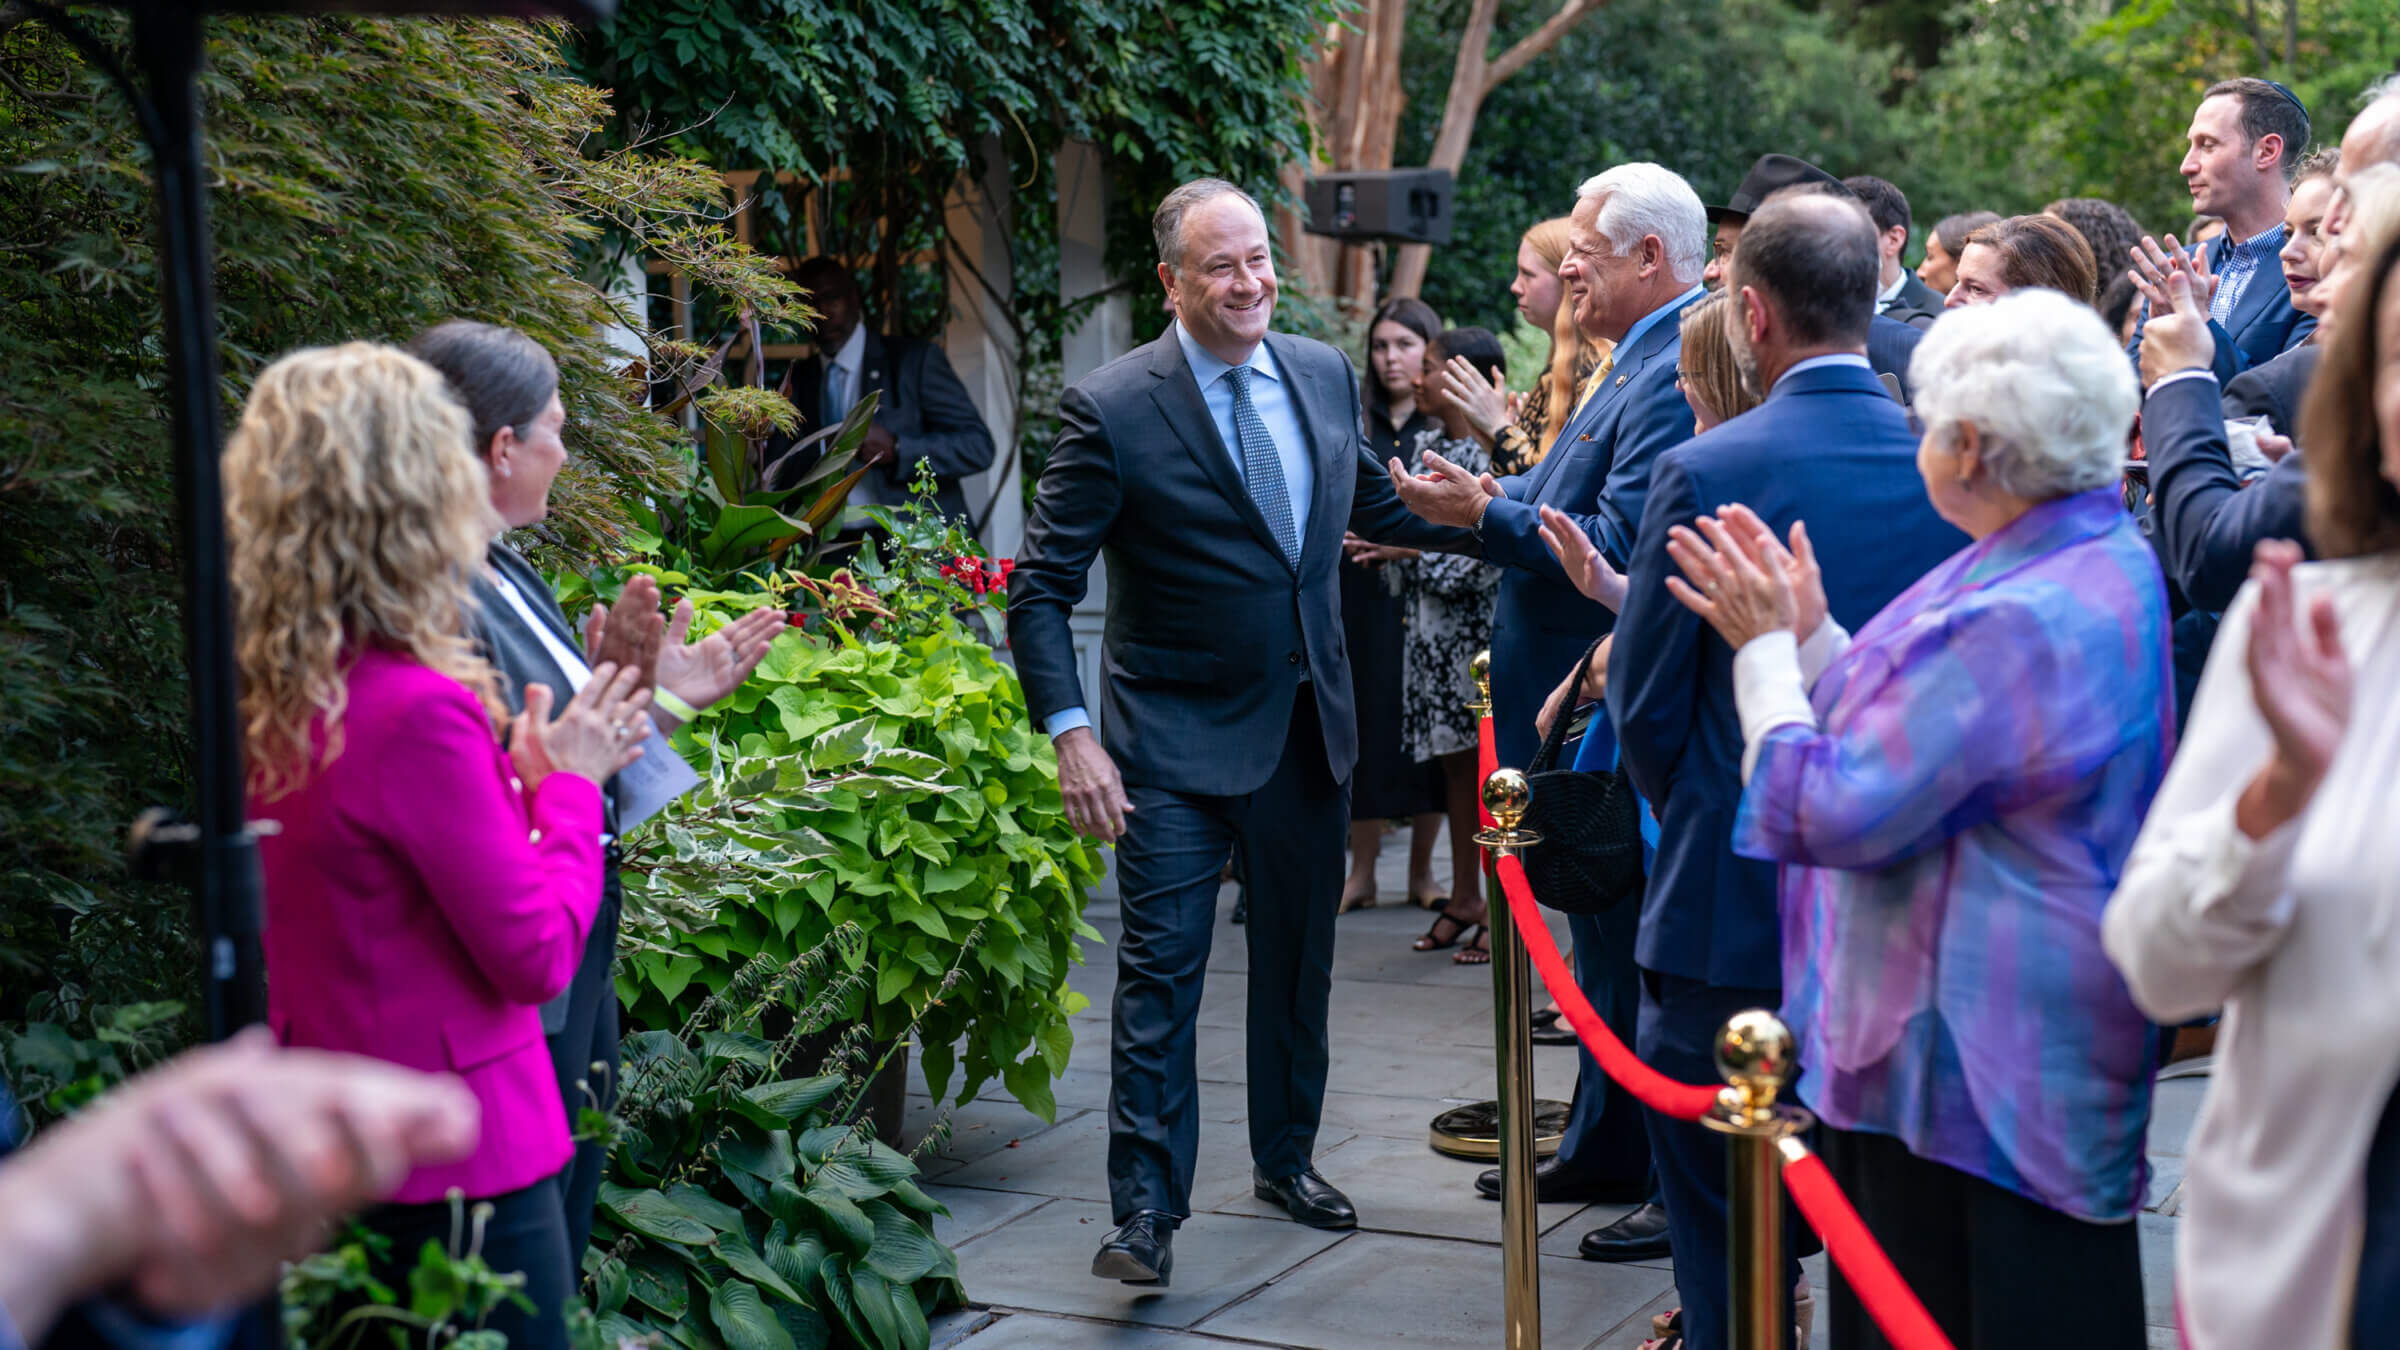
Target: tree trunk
x=1355, y=77
x=1472, y=80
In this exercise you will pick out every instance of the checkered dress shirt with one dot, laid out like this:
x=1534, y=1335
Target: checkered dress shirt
x=2237, y=264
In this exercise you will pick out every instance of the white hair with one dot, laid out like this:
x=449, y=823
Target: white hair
x=1642, y=199
x=2043, y=380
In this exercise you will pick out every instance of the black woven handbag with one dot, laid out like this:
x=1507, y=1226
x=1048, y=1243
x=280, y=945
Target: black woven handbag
x=1590, y=857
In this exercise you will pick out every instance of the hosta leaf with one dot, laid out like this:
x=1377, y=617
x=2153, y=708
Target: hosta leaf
x=741, y=1317
x=908, y=1195
x=795, y=1258
x=903, y=1251
x=655, y=1214
x=839, y=1220
x=873, y=1299
x=735, y=1251
x=776, y=1105
x=660, y=1284
x=767, y=1154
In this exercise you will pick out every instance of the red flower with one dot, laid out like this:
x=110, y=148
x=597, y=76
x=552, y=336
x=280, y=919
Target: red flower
x=796, y=620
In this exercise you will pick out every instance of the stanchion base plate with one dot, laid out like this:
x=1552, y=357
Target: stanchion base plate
x=1473, y=1131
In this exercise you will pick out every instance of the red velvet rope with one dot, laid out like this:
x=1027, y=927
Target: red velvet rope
x=1887, y=1297
x=1681, y=1101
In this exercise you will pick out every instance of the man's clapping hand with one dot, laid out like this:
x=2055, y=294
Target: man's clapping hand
x=189, y=1186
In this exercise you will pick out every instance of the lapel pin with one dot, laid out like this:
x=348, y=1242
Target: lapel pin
x=1620, y=381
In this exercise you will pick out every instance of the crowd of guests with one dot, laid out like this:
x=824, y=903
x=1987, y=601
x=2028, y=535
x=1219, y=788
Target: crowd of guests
x=1959, y=633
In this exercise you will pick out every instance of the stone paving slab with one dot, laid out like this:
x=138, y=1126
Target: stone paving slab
x=1043, y=1262
x=975, y=1212
x=1378, y=1290
x=1032, y=1331
x=1072, y=1160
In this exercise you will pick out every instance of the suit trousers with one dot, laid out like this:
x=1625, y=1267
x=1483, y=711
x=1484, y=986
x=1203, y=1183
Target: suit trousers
x=1679, y=1022
x=1288, y=838
x=1606, y=1141
x=588, y=1037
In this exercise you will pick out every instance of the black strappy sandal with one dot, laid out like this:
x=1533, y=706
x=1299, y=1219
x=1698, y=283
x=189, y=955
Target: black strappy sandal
x=1435, y=940
x=1476, y=951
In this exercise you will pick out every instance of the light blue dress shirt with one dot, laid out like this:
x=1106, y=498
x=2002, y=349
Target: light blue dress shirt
x=1651, y=320
x=1273, y=400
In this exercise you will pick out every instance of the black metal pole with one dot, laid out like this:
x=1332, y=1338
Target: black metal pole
x=166, y=42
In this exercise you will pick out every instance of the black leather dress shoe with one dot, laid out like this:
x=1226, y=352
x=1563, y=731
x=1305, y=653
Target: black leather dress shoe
x=1140, y=1252
x=1639, y=1236
x=1308, y=1198
x=1550, y=1188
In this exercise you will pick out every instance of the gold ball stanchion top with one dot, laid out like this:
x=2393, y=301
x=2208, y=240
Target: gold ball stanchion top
x=1479, y=669
x=1754, y=1054
x=1506, y=795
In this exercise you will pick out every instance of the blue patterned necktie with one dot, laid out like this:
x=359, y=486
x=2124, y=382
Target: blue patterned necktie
x=1262, y=468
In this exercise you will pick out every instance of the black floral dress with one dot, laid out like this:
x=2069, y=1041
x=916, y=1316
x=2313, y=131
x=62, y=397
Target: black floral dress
x=1447, y=602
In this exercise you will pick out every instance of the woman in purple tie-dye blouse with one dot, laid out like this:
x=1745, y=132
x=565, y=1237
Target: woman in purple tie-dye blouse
x=1953, y=793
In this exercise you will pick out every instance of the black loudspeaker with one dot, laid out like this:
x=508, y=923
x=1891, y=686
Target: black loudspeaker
x=1410, y=206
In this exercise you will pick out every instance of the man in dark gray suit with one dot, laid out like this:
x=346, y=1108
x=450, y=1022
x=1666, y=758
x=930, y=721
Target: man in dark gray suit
x=1899, y=294
x=1218, y=468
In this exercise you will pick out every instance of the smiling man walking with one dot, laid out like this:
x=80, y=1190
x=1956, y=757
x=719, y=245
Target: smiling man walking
x=1217, y=468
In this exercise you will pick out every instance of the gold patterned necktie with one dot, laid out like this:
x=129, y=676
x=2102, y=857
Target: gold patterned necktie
x=1591, y=386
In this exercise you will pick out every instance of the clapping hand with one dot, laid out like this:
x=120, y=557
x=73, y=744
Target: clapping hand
x=701, y=673
x=1741, y=595
x=599, y=731
x=2152, y=266
x=1799, y=562
x=1586, y=566
x=2177, y=337
x=2302, y=683
x=1484, y=402
x=630, y=632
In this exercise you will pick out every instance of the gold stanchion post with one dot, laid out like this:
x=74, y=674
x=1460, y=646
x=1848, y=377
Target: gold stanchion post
x=1505, y=795
x=1754, y=1053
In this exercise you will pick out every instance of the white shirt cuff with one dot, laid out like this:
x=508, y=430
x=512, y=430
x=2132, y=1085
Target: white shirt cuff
x=2195, y=373
x=2233, y=875
x=1769, y=691
x=1065, y=720
x=1824, y=647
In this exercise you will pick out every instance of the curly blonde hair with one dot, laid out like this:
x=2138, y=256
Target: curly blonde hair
x=357, y=511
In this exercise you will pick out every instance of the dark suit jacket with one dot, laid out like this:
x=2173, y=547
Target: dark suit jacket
x=1890, y=343
x=1598, y=472
x=518, y=654
x=1210, y=628
x=922, y=404
x=1829, y=447
x=1918, y=304
x=2203, y=521
x=2275, y=389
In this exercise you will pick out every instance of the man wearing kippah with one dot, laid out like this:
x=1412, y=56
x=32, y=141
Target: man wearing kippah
x=2245, y=139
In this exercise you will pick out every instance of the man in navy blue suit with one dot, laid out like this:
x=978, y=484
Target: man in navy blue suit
x=2245, y=140
x=1829, y=446
x=1633, y=265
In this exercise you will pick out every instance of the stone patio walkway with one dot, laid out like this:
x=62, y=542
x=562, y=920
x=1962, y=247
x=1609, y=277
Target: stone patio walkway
x=1411, y=1035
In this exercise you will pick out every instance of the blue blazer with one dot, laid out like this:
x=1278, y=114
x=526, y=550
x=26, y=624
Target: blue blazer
x=1890, y=344
x=1829, y=447
x=1598, y=472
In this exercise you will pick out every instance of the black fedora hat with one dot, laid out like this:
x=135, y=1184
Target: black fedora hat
x=1771, y=173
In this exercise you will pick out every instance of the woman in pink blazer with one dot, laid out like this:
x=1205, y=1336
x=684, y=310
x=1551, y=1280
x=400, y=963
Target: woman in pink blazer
x=426, y=890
